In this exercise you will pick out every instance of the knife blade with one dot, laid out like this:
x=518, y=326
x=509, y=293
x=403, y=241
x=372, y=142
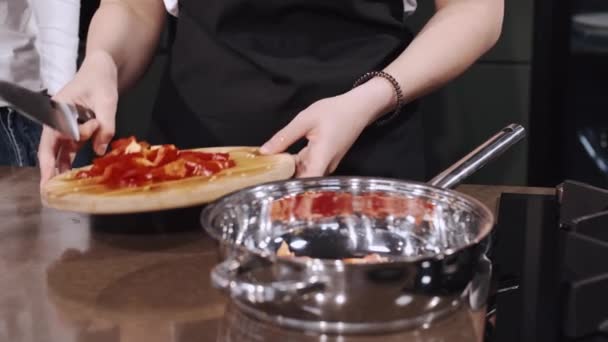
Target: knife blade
x=61, y=116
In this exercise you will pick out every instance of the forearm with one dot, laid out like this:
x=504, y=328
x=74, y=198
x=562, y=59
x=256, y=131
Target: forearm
x=456, y=36
x=127, y=30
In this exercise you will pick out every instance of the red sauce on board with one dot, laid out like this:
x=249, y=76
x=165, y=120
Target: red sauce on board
x=131, y=163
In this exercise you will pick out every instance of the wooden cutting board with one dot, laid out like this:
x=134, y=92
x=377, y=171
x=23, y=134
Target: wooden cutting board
x=65, y=192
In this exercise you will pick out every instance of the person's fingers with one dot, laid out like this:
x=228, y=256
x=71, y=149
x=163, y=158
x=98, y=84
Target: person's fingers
x=68, y=148
x=313, y=161
x=56, y=153
x=63, y=160
x=47, y=150
x=300, y=160
x=333, y=165
x=87, y=129
x=284, y=138
x=335, y=162
x=105, y=109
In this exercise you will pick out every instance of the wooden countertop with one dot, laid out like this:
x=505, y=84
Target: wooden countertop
x=73, y=277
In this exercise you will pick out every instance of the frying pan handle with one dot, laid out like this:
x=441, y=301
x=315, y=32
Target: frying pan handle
x=227, y=276
x=483, y=154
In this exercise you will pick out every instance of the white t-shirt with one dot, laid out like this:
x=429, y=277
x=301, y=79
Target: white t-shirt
x=39, y=42
x=409, y=6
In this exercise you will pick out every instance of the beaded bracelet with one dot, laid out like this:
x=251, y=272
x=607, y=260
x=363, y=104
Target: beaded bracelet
x=398, y=92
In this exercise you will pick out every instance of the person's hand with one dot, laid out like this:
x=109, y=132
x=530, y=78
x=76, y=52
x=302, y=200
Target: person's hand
x=331, y=126
x=95, y=86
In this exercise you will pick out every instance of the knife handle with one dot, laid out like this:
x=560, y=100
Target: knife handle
x=83, y=114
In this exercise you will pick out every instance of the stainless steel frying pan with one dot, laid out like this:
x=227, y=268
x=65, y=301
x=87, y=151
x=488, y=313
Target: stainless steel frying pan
x=432, y=241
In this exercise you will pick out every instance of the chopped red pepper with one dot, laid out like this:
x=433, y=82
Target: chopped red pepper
x=131, y=163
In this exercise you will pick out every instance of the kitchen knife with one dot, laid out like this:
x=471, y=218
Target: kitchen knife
x=63, y=117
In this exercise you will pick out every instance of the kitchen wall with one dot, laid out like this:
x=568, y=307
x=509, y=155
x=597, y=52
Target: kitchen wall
x=492, y=94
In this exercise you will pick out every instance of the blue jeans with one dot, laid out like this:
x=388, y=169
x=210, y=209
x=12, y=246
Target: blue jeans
x=19, y=139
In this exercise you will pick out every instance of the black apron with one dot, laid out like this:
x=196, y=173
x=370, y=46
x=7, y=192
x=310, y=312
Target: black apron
x=240, y=70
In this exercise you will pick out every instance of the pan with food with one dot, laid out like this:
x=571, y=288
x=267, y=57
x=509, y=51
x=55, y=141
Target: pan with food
x=353, y=254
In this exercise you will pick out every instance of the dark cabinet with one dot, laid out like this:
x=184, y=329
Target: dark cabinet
x=487, y=97
x=568, y=113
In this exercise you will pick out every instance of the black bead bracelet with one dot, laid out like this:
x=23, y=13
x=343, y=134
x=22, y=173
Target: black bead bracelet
x=398, y=92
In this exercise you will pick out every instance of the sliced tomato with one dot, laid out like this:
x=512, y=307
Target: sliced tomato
x=121, y=144
x=164, y=155
x=175, y=169
x=133, y=163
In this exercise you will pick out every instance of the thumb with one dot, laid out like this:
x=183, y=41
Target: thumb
x=296, y=129
x=313, y=161
x=47, y=150
x=106, y=115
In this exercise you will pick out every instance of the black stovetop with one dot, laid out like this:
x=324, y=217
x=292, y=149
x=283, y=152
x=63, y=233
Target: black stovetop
x=550, y=257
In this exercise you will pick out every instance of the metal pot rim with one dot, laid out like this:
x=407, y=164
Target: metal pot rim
x=481, y=209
